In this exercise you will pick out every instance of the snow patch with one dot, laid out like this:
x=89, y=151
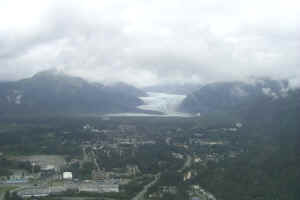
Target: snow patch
x=18, y=99
x=270, y=93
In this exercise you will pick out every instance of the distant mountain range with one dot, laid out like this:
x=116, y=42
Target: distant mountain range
x=55, y=92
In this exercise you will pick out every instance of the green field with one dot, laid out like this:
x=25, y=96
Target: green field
x=5, y=189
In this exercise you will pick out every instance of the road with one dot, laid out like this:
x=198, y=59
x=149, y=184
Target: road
x=187, y=163
x=85, y=155
x=141, y=194
x=95, y=161
x=168, y=140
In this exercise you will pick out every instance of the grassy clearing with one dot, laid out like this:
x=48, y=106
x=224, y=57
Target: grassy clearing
x=4, y=189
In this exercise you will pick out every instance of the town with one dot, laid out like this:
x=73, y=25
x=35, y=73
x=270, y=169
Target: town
x=115, y=158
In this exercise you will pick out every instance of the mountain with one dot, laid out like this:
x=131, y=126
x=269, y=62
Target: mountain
x=232, y=96
x=268, y=165
x=268, y=145
x=55, y=92
x=127, y=89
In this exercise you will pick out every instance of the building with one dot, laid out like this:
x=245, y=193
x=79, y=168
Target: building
x=34, y=192
x=88, y=187
x=67, y=175
x=48, y=168
x=17, y=181
x=239, y=125
x=187, y=176
x=109, y=187
x=99, y=175
x=169, y=189
x=132, y=170
x=99, y=187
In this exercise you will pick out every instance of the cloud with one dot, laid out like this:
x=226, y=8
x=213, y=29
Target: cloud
x=270, y=93
x=151, y=42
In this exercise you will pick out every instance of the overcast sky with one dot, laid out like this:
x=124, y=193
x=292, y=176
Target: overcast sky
x=145, y=42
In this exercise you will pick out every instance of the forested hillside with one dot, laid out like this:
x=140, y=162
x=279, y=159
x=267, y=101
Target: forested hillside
x=231, y=96
x=269, y=167
x=55, y=92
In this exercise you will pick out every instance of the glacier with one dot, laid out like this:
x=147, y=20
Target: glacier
x=162, y=102
x=165, y=103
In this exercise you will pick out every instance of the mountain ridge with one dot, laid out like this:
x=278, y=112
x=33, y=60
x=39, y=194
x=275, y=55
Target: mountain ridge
x=232, y=96
x=54, y=91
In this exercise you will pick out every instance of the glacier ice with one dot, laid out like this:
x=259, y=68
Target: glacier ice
x=162, y=102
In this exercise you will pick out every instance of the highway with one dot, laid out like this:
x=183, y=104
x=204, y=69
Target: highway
x=141, y=194
x=95, y=160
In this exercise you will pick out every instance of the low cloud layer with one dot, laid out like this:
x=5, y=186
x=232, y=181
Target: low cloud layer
x=151, y=42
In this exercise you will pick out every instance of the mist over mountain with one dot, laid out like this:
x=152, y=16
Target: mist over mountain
x=175, y=88
x=126, y=89
x=268, y=168
x=232, y=96
x=55, y=92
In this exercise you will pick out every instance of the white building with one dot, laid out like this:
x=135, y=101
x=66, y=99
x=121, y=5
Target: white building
x=98, y=187
x=239, y=125
x=67, y=175
x=48, y=168
x=109, y=188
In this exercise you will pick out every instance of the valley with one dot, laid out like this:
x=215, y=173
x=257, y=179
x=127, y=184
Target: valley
x=153, y=146
x=149, y=100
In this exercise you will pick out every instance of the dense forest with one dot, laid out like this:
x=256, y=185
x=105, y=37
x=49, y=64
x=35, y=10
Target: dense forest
x=269, y=167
